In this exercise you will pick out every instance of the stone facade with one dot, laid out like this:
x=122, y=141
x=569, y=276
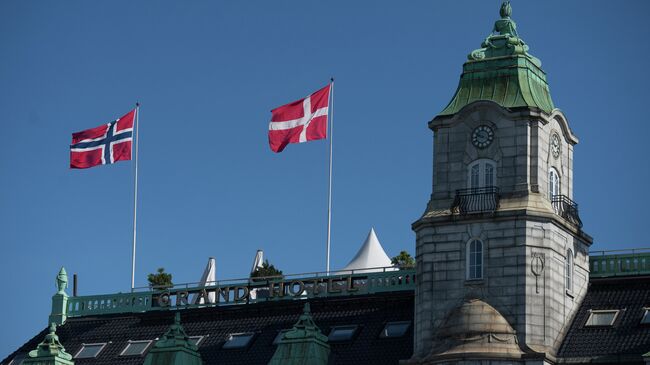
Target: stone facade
x=525, y=240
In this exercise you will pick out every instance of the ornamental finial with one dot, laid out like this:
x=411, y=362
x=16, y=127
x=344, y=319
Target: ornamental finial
x=506, y=10
x=505, y=25
x=61, y=281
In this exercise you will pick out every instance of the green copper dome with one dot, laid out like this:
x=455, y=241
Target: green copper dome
x=503, y=71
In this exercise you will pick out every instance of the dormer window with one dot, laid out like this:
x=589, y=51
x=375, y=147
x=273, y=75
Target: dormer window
x=482, y=173
x=136, y=348
x=601, y=318
x=238, y=340
x=342, y=333
x=89, y=350
x=395, y=329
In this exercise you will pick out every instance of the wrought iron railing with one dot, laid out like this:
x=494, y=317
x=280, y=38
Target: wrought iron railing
x=566, y=208
x=619, y=263
x=476, y=200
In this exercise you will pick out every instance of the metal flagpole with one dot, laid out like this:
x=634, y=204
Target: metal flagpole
x=329, y=194
x=135, y=195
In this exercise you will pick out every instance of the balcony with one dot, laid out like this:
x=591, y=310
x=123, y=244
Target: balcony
x=566, y=208
x=476, y=200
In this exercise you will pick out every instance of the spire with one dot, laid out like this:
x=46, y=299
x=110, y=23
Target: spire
x=502, y=71
x=174, y=348
x=50, y=351
x=304, y=344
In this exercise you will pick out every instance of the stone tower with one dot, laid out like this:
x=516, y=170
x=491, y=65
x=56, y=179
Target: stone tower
x=502, y=260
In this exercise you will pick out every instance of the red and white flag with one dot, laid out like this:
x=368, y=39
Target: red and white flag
x=103, y=145
x=301, y=121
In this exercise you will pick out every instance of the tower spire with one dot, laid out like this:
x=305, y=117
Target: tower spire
x=502, y=71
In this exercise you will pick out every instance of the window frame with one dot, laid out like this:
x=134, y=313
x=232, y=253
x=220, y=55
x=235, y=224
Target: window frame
x=130, y=342
x=383, y=334
x=554, y=184
x=251, y=337
x=83, y=346
x=602, y=311
x=468, y=256
x=569, y=271
x=481, y=173
x=355, y=330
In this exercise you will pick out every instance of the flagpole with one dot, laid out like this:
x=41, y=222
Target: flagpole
x=329, y=193
x=135, y=195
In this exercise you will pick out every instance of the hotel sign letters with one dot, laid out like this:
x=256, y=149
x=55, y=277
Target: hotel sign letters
x=257, y=291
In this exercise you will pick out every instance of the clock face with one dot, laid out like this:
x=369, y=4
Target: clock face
x=555, y=145
x=482, y=136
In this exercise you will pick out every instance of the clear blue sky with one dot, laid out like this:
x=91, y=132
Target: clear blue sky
x=207, y=74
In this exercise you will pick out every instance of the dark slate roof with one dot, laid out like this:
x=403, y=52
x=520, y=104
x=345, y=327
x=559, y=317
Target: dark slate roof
x=627, y=340
x=370, y=312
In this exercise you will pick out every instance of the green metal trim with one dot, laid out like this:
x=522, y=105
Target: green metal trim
x=174, y=348
x=304, y=344
x=60, y=299
x=49, y=352
x=633, y=263
x=502, y=71
x=275, y=288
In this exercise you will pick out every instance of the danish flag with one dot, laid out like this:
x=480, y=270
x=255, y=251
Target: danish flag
x=103, y=145
x=301, y=121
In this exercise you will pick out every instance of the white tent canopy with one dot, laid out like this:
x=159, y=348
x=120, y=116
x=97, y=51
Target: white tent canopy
x=208, y=278
x=371, y=256
x=257, y=262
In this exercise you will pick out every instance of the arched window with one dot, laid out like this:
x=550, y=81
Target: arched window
x=482, y=173
x=553, y=183
x=474, y=259
x=568, y=270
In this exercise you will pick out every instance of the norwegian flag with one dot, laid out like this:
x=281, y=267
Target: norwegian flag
x=301, y=121
x=103, y=145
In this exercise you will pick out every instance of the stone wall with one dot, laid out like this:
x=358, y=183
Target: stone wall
x=525, y=242
x=532, y=298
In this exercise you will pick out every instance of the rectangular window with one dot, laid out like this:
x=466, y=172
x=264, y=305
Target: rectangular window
x=395, y=329
x=89, y=350
x=601, y=318
x=568, y=271
x=342, y=333
x=136, y=348
x=475, y=260
x=238, y=340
